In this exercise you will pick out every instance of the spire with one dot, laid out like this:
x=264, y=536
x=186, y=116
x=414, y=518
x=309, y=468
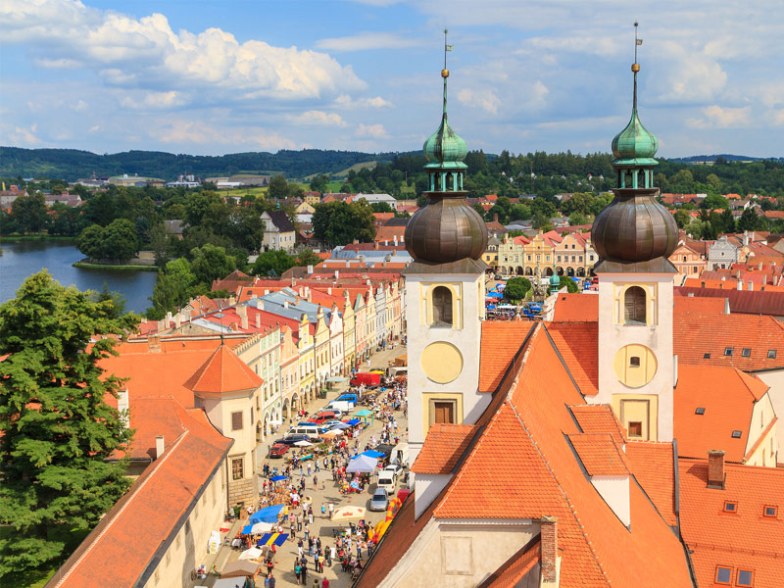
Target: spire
x=445, y=71
x=634, y=233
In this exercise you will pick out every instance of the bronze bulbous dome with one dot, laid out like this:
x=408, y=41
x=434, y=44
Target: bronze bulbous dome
x=446, y=230
x=634, y=228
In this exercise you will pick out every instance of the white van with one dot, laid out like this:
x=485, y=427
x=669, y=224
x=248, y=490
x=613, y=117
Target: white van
x=312, y=431
x=399, y=455
x=394, y=371
x=386, y=480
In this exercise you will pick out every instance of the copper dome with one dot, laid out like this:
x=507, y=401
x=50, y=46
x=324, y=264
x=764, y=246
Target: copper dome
x=634, y=228
x=446, y=230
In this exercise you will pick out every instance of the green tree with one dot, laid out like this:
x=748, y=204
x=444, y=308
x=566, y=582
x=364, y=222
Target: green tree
x=682, y=218
x=571, y=285
x=272, y=263
x=516, y=288
x=90, y=242
x=714, y=201
x=121, y=242
x=174, y=286
x=339, y=223
x=29, y=213
x=210, y=262
x=306, y=257
x=57, y=429
x=748, y=221
x=278, y=187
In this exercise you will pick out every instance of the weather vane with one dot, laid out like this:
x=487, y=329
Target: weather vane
x=637, y=41
x=445, y=71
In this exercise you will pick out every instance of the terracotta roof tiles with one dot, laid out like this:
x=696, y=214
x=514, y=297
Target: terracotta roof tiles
x=444, y=445
x=600, y=454
x=599, y=418
x=653, y=465
x=501, y=340
x=223, y=373
x=578, y=344
x=576, y=308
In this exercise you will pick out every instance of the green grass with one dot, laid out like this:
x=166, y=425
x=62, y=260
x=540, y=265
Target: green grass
x=126, y=267
x=39, y=237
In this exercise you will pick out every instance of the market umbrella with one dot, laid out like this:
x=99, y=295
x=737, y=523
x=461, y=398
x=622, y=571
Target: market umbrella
x=372, y=453
x=267, y=515
x=303, y=443
x=262, y=527
x=240, y=569
x=362, y=464
x=345, y=513
x=342, y=426
x=268, y=539
x=252, y=553
x=332, y=433
x=278, y=478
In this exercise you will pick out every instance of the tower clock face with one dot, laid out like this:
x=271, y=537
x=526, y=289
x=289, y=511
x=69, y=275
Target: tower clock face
x=635, y=365
x=442, y=362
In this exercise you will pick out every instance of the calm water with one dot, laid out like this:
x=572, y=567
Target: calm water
x=19, y=260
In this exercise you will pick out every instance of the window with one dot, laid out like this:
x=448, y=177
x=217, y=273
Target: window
x=634, y=306
x=442, y=307
x=635, y=429
x=723, y=575
x=699, y=410
x=771, y=354
x=745, y=578
x=746, y=352
x=237, y=469
x=736, y=434
x=444, y=411
x=770, y=511
x=730, y=506
x=706, y=356
x=728, y=352
x=236, y=421
x=634, y=362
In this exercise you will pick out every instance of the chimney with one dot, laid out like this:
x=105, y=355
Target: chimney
x=727, y=305
x=750, y=286
x=548, y=536
x=329, y=290
x=178, y=320
x=242, y=312
x=337, y=275
x=258, y=321
x=310, y=269
x=123, y=405
x=716, y=469
x=395, y=240
x=160, y=446
x=740, y=284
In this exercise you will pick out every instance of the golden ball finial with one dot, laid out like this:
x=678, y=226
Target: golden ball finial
x=445, y=73
x=635, y=67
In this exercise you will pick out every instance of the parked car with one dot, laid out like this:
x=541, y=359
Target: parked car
x=394, y=468
x=278, y=450
x=331, y=424
x=403, y=493
x=380, y=500
x=322, y=417
x=291, y=439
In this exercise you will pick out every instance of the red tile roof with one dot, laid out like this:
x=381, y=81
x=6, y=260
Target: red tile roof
x=744, y=539
x=223, y=373
x=576, y=308
x=728, y=396
x=578, y=344
x=517, y=567
x=704, y=338
x=123, y=548
x=743, y=301
x=501, y=340
x=443, y=448
x=600, y=454
x=653, y=465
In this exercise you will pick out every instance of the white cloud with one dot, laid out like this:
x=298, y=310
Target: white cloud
x=186, y=132
x=24, y=137
x=318, y=118
x=366, y=42
x=347, y=102
x=778, y=118
x=689, y=77
x=376, y=131
x=722, y=118
x=484, y=99
x=147, y=53
x=154, y=100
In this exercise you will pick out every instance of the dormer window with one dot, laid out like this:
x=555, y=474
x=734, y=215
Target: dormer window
x=745, y=578
x=730, y=506
x=770, y=511
x=728, y=352
x=699, y=410
x=723, y=575
x=771, y=354
x=746, y=352
x=706, y=356
x=736, y=434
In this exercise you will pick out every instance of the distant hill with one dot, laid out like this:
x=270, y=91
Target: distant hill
x=72, y=164
x=711, y=159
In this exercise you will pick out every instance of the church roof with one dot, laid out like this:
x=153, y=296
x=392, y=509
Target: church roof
x=223, y=373
x=444, y=446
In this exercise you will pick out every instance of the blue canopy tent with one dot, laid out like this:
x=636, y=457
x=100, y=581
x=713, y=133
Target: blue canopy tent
x=364, y=414
x=371, y=453
x=268, y=539
x=494, y=295
x=266, y=515
x=278, y=478
x=353, y=422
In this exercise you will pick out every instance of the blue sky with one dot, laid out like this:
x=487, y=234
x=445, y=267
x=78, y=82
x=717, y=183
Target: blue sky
x=227, y=76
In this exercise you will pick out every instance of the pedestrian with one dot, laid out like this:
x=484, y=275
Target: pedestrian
x=298, y=571
x=331, y=510
x=270, y=581
x=325, y=583
x=310, y=517
x=304, y=573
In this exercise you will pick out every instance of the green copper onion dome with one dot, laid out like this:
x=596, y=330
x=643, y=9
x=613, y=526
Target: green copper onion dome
x=445, y=145
x=635, y=142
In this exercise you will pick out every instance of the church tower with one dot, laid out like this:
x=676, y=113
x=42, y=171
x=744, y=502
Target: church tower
x=444, y=292
x=634, y=237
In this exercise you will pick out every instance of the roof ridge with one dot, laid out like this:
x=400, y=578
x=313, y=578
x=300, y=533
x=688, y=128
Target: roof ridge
x=115, y=515
x=563, y=492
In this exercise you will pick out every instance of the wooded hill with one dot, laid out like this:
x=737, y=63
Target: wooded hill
x=72, y=164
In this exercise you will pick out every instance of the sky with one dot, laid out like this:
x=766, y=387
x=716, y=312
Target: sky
x=210, y=77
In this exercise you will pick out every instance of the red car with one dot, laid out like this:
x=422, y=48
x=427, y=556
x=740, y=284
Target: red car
x=323, y=417
x=278, y=450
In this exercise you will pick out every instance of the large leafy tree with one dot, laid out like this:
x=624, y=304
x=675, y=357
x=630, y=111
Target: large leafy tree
x=174, y=286
x=339, y=223
x=57, y=429
x=517, y=288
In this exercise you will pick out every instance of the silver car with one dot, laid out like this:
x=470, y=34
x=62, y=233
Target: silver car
x=380, y=500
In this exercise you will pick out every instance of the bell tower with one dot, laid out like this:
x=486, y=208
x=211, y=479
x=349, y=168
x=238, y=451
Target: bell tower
x=634, y=236
x=444, y=291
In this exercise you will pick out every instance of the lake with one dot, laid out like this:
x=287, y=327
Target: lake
x=22, y=259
